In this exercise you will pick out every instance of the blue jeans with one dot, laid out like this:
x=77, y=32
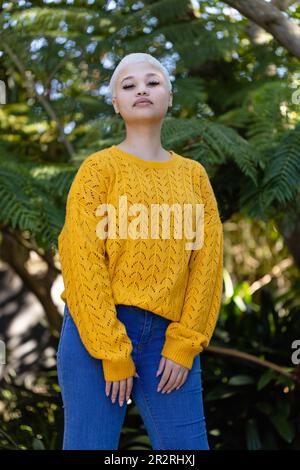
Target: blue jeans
x=173, y=420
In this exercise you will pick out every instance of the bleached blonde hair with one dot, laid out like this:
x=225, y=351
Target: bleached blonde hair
x=138, y=57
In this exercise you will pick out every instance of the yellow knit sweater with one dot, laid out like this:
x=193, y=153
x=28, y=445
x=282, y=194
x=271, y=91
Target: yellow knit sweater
x=163, y=274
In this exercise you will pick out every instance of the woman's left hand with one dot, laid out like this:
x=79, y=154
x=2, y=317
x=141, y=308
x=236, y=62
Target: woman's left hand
x=174, y=375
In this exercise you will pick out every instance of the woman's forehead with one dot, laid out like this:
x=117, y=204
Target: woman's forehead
x=138, y=70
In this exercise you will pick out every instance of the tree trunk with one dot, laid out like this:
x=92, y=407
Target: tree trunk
x=16, y=256
x=272, y=20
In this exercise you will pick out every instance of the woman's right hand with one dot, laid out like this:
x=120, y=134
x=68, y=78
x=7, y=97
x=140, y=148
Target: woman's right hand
x=124, y=388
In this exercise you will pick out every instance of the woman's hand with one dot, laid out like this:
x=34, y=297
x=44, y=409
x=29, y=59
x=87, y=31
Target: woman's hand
x=174, y=375
x=124, y=386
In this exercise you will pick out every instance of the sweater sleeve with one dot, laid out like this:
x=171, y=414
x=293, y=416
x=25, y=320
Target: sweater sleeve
x=189, y=336
x=86, y=277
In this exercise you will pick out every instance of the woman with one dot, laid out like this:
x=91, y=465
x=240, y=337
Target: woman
x=141, y=300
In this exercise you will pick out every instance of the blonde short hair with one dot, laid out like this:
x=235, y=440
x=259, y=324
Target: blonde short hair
x=137, y=57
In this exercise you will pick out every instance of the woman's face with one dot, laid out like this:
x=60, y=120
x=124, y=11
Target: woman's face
x=141, y=80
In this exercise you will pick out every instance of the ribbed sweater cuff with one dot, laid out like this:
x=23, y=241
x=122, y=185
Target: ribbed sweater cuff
x=119, y=370
x=178, y=352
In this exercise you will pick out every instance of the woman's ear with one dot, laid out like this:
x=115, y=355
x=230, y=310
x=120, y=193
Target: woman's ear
x=115, y=105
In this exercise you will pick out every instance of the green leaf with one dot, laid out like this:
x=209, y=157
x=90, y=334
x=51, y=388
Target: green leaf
x=220, y=392
x=37, y=444
x=241, y=380
x=265, y=378
x=283, y=426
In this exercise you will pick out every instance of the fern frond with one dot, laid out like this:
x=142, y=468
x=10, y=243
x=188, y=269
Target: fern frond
x=283, y=174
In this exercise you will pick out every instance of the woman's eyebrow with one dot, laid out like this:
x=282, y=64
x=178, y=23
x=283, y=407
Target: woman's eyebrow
x=131, y=76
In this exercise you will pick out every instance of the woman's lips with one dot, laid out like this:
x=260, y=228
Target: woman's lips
x=143, y=103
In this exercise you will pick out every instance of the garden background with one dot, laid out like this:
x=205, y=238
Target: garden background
x=236, y=108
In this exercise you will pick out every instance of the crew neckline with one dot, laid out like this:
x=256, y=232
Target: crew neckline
x=145, y=163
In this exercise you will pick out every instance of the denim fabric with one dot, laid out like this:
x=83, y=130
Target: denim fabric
x=173, y=420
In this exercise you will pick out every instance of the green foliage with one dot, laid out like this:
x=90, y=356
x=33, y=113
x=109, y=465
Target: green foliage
x=31, y=199
x=232, y=111
x=283, y=172
x=249, y=405
x=31, y=420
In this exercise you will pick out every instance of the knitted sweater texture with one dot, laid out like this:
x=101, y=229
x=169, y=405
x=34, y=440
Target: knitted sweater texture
x=164, y=273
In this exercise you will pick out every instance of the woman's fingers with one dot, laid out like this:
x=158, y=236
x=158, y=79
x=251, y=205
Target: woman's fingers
x=174, y=376
x=177, y=381
x=170, y=384
x=129, y=387
x=107, y=388
x=115, y=390
x=122, y=391
x=161, y=365
x=165, y=377
x=121, y=387
x=184, y=377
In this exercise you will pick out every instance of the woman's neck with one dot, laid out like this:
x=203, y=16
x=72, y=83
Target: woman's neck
x=152, y=154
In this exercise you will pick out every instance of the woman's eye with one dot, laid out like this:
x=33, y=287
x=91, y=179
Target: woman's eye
x=125, y=87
